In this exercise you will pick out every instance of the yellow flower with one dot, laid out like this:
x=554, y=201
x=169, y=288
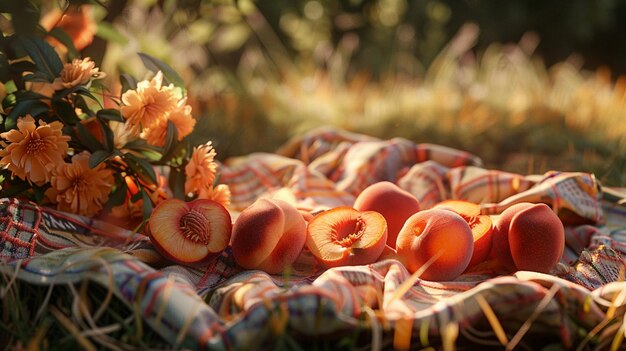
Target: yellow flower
x=33, y=151
x=201, y=169
x=180, y=117
x=76, y=73
x=150, y=102
x=220, y=194
x=77, y=188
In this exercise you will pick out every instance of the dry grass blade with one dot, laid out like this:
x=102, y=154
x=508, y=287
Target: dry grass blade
x=424, y=331
x=188, y=321
x=410, y=281
x=377, y=332
x=492, y=319
x=527, y=324
x=71, y=328
x=110, y=288
x=449, y=335
x=5, y=289
x=403, y=330
x=167, y=292
x=619, y=337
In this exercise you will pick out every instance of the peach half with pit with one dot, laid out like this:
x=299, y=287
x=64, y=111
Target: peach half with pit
x=268, y=235
x=343, y=236
x=529, y=237
x=393, y=202
x=190, y=232
x=439, y=240
x=481, y=226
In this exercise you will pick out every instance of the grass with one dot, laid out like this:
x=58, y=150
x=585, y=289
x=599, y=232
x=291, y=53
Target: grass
x=65, y=317
x=87, y=316
x=503, y=105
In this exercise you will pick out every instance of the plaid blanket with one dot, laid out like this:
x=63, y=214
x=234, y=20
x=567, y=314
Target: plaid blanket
x=221, y=306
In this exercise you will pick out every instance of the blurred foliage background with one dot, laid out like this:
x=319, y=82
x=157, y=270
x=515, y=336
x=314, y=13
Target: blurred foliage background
x=529, y=86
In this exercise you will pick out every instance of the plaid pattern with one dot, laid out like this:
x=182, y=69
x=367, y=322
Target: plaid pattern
x=328, y=168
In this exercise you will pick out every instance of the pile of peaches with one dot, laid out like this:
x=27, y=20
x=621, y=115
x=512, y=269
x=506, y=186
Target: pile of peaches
x=385, y=221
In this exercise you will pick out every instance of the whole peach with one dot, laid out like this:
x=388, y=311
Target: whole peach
x=268, y=235
x=394, y=203
x=437, y=233
x=500, y=248
x=536, y=239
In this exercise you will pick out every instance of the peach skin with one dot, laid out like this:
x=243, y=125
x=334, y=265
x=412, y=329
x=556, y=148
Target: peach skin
x=440, y=233
x=394, y=203
x=268, y=235
x=531, y=237
x=481, y=226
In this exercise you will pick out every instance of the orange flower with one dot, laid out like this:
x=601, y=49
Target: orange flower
x=180, y=117
x=76, y=73
x=220, y=193
x=77, y=21
x=77, y=188
x=149, y=103
x=33, y=152
x=201, y=169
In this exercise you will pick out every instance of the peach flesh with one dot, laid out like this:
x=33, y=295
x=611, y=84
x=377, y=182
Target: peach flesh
x=192, y=232
x=440, y=233
x=268, y=235
x=345, y=236
x=393, y=202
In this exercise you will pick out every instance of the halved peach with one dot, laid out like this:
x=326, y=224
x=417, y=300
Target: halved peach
x=343, y=236
x=190, y=232
x=393, y=202
x=481, y=226
x=268, y=235
x=440, y=236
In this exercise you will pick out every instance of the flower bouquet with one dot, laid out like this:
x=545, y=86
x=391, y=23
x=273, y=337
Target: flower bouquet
x=81, y=143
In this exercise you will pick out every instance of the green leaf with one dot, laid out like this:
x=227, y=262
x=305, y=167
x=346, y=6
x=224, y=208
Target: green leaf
x=25, y=15
x=97, y=157
x=81, y=90
x=5, y=71
x=87, y=140
x=118, y=196
x=109, y=139
x=141, y=166
x=147, y=204
x=141, y=146
x=35, y=77
x=66, y=112
x=15, y=189
x=60, y=35
x=128, y=82
x=110, y=114
x=176, y=182
x=43, y=54
x=34, y=107
x=109, y=33
x=169, y=73
x=171, y=138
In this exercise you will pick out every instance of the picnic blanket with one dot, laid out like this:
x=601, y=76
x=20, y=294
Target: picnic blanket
x=221, y=306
